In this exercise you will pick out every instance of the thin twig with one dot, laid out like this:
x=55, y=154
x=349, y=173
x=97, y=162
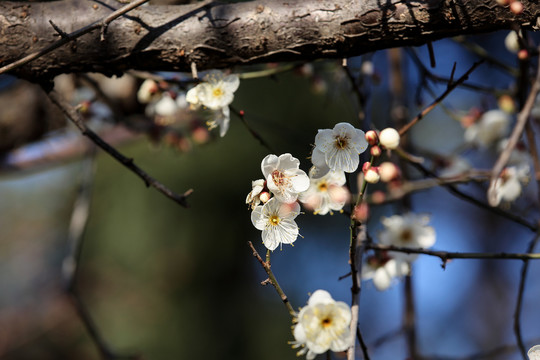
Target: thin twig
x=66, y=38
x=74, y=116
x=267, y=267
x=71, y=264
x=241, y=115
x=519, y=302
x=495, y=210
x=522, y=118
x=357, y=91
x=451, y=86
x=445, y=255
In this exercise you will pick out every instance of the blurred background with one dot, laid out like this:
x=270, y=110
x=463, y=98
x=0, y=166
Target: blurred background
x=167, y=282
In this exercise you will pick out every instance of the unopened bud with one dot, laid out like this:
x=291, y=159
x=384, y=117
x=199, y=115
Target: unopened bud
x=503, y=2
x=389, y=138
x=378, y=197
x=264, y=197
x=361, y=212
x=366, y=166
x=516, y=7
x=523, y=54
x=376, y=151
x=372, y=138
x=388, y=171
x=372, y=176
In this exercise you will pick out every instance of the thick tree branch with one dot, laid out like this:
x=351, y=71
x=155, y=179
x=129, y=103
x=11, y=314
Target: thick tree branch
x=223, y=35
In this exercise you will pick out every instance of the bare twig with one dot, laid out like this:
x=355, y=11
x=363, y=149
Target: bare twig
x=495, y=210
x=451, y=86
x=70, y=266
x=522, y=118
x=519, y=302
x=256, y=135
x=66, y=38
x=357, y=91
x=72, y=114
x=445, y=255
x=267, y=267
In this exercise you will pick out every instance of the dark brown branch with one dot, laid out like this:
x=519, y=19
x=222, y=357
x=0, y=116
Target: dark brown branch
x=450, y=87
x=445, y=255
x=271, y=278
x=224, y=35
x=72, y=114
x=519, y=302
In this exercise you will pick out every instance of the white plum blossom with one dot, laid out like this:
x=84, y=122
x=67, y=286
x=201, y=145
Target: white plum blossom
x=383, y=269
x=491, y=127
x=283, y=177
x=257, y=194
x=276, y=220
x=409, y=230
x=220, y=117
x=215, y=93
x=323, y=324
x=508, y=186
x=534, y=353
x=326, y=193
x=337, y=149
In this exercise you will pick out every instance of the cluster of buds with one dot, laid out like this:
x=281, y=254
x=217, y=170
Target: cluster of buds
x=387, y=139
x=516, y=6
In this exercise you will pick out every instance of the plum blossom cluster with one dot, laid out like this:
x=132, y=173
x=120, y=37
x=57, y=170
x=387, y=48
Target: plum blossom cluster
x=322, y=325
x=274, y=200
x=409, y=230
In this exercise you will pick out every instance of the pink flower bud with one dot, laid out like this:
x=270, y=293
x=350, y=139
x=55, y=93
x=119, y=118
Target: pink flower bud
x=361, y=212
x=372, y=138
x=372, y=175
x=523, y=54
x=375, y=150
x=366, y=166
x=516, y=7
x=378, y=197
x=388, y=171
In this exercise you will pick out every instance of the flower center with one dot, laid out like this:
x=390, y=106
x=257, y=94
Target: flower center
x=274, y=220
x=217, y=92
x=326, y=322
x=279, y=178
x=323, y=186
x=341, y=142
x=406, y=235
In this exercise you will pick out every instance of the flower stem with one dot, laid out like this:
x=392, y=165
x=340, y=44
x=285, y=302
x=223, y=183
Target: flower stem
x=271, y=278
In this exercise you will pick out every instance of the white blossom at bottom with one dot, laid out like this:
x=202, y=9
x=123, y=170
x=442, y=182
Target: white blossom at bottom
x=534, y=353
x=323, y=324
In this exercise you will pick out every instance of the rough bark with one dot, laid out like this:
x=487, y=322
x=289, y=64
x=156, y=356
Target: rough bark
x=225, y=35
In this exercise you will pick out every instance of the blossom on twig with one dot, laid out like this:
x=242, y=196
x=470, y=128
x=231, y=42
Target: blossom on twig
x=323, y=324
x=337, y=149
x=326, y=193
x=276, y=220
x=382, y=269
x=408, y=230
x=284, y=177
